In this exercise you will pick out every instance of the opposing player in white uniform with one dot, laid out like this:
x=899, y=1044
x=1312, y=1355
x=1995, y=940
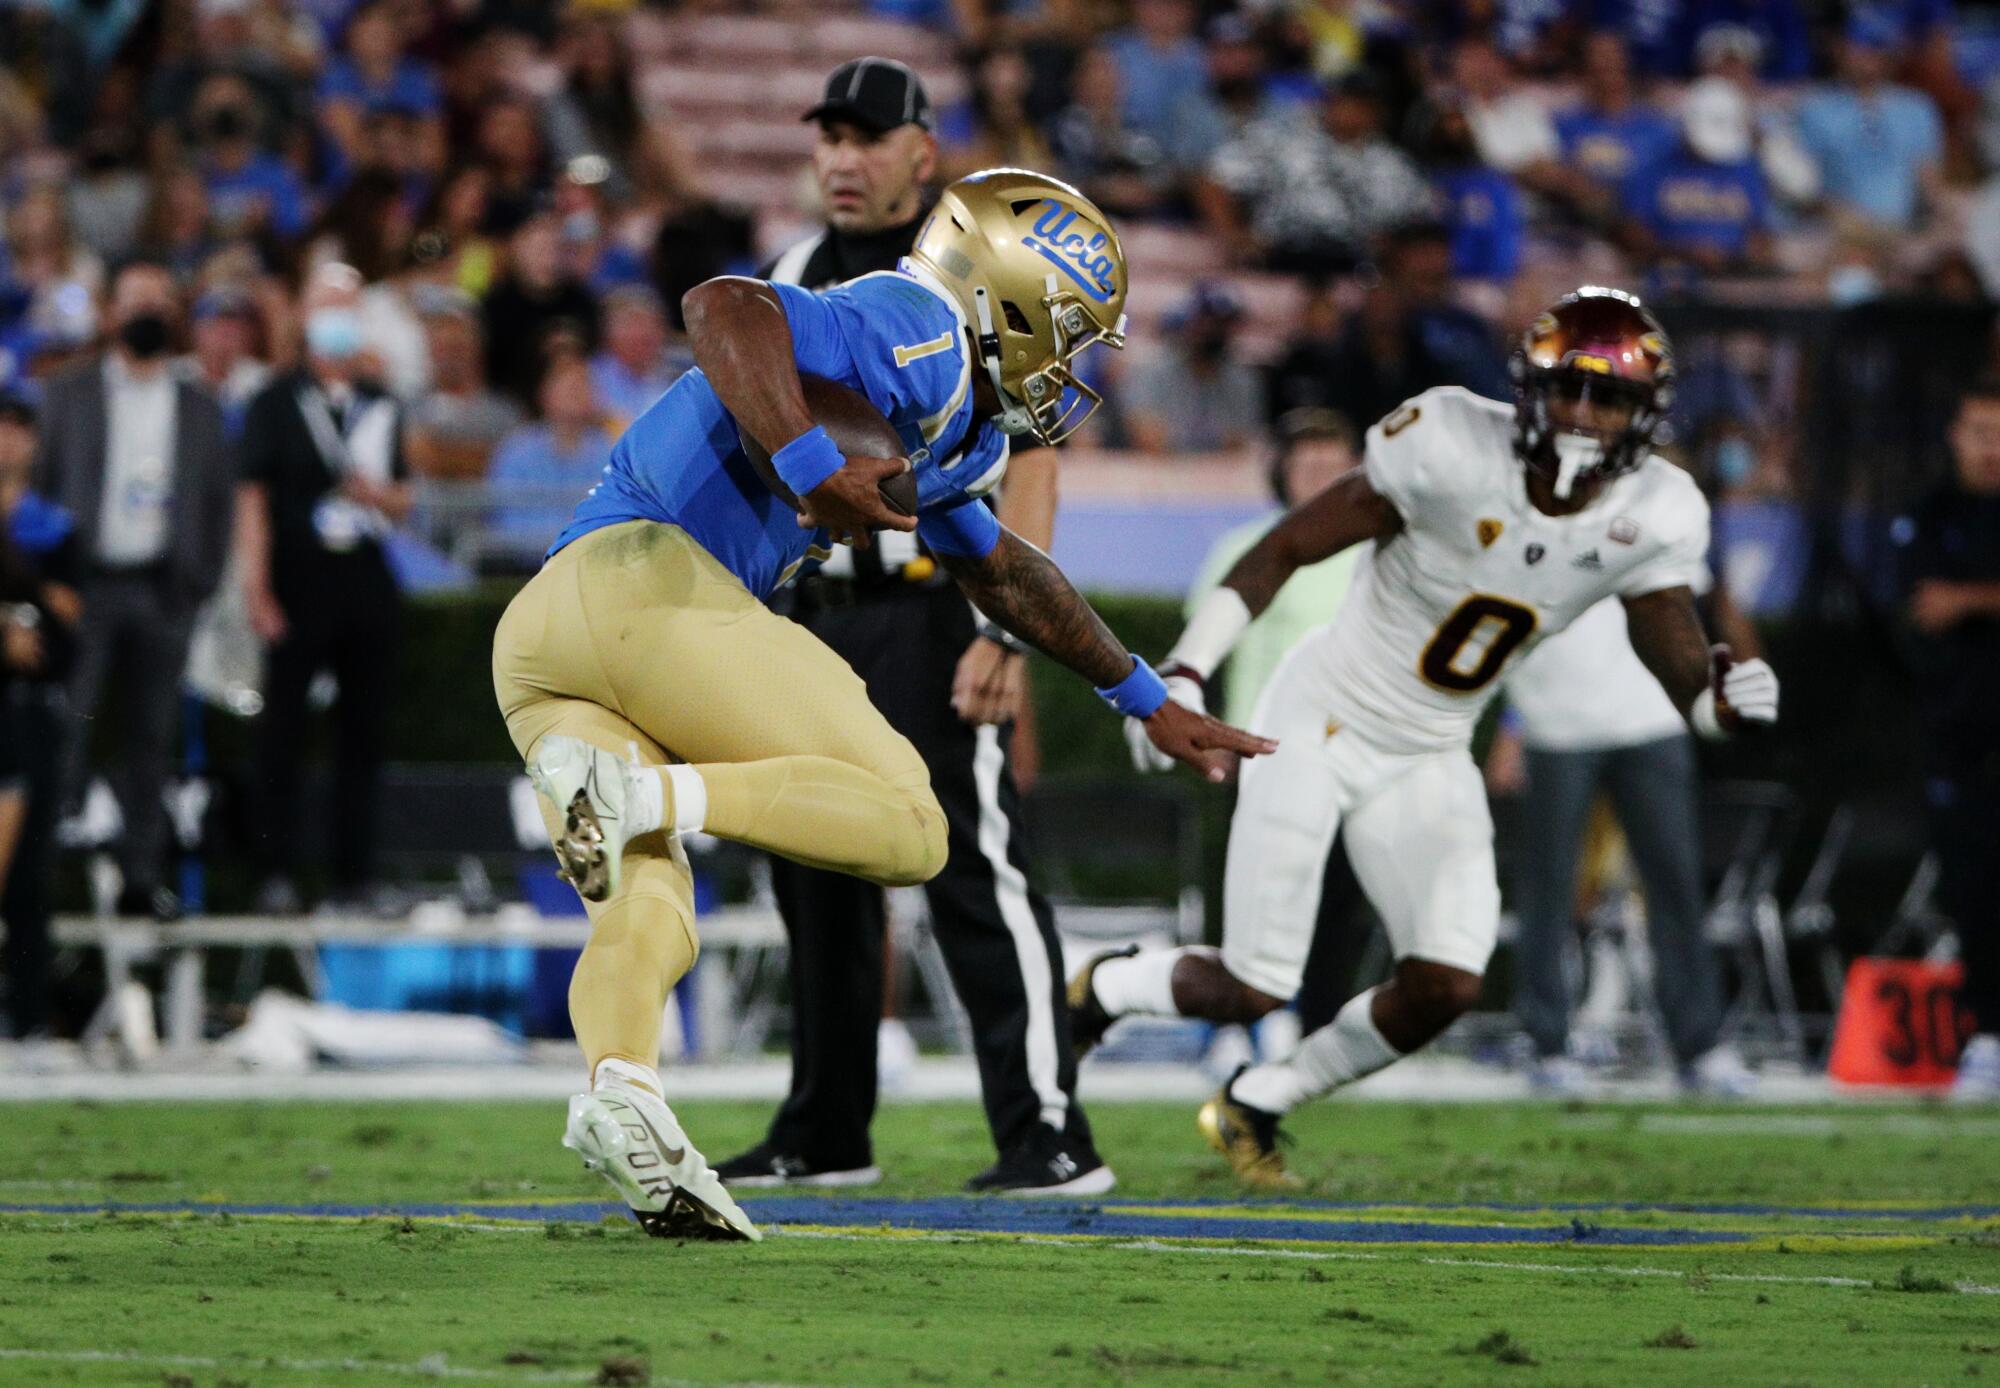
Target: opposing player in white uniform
x=1494, y=526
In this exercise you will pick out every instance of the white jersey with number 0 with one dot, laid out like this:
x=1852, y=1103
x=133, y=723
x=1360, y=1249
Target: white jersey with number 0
x=1477, y=575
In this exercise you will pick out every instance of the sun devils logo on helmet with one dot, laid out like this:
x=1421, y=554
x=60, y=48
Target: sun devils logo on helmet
x=1040, y=276
x=1596, y=346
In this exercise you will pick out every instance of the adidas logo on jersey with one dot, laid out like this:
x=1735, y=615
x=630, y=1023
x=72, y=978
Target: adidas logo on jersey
x=1587, y=560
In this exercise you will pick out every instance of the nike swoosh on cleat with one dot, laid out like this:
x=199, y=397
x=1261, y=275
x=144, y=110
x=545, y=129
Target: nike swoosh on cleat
x=674, y=1155
x=590, y=790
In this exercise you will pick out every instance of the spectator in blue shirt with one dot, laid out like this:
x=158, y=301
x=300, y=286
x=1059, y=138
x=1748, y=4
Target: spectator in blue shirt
x=639, y=360
x=1162, y=71
x=592, y=251
x=1610, y=135
x=552, y=461
x=249, y=190
x=1878, y=146
x=1479, y=206
x=375, y=78
x=1706, y=204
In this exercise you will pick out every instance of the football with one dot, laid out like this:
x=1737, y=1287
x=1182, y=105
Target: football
x=856, y=427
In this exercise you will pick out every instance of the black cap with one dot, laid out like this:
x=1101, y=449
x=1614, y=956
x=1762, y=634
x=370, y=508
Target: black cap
x=877, y=94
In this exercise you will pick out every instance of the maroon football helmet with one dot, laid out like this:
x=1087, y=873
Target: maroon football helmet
x=1599, y=345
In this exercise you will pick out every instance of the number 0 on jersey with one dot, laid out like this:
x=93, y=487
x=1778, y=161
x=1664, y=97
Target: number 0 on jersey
x=1471, y=646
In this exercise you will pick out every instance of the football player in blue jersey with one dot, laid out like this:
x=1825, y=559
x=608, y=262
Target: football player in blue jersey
x=652, y=692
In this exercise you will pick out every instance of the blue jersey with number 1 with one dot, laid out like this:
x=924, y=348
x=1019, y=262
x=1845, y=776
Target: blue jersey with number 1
x=893, y=338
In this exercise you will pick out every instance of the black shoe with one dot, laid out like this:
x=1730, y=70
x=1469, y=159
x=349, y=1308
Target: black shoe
x=1046, y=1164
x=765, y=1165
x=1088, y=1021
x=155, y=903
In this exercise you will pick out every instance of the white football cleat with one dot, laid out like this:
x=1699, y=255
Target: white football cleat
x=1718, y=1073
x=634, y=1141
x=592, y=790
x=1558, y=1077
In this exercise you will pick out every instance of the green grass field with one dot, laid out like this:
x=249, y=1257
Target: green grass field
x=1897, y=1289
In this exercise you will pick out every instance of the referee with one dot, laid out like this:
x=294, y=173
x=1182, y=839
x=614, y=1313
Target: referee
x=952, y=685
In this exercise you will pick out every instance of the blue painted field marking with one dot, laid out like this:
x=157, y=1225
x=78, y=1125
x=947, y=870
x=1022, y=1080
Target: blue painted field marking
x=960, y=1215
x=1330, y=1222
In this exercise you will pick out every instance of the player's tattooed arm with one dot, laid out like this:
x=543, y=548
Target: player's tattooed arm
x=1345, y=514
x=1021, y=588
x=1667, y=634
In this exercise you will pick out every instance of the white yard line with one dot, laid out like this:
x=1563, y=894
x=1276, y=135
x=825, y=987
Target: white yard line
x=1350, y=1256
x=433, y=1366
x=1943, y=1124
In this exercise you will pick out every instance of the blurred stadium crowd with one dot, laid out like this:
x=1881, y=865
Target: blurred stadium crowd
x=1330, y=203
x=1351, y=195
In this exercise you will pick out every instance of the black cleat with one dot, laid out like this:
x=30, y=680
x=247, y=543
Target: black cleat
x=1088, y=1021
x=1046, y=1164
x=765, y=1165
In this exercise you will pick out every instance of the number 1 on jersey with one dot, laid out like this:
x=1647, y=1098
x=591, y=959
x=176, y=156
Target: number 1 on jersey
x=1472, y=645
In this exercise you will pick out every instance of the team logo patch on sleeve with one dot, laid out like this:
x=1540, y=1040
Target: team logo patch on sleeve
x=1625, y=531
x=1489, y=531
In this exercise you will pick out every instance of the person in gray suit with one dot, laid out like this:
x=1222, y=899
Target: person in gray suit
x=140, y=459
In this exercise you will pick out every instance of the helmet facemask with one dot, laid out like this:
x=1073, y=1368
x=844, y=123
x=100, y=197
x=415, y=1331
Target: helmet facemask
x=1597, y=351
x=1035, y=405
x=1572, y=456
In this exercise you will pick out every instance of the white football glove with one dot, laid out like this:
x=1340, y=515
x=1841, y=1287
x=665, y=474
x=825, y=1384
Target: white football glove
x=1738, y=696
x=1182, y=689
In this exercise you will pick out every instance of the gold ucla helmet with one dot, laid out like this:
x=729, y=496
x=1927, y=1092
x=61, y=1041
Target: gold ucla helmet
x=1039, y=274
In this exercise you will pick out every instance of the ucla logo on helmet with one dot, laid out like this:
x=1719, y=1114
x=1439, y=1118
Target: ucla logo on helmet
x=1081, y=255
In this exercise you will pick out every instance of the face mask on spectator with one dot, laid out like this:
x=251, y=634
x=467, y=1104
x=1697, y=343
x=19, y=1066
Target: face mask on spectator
x=1735, y=460
x=144, y=335
x=228, y=123
x=1852, y=284
x=333, y=333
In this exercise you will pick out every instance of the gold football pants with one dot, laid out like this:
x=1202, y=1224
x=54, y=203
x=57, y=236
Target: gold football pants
x=635, y=637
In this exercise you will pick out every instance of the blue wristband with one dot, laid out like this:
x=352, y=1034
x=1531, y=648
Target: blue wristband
x=807, y=460
x=1139, y=694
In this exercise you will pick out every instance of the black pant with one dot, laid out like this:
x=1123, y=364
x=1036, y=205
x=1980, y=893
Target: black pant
x=1964, y=810
x=134, y=634
x=342, y=615
x=996, y=932
x=31, y=723
x=1653, y=788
